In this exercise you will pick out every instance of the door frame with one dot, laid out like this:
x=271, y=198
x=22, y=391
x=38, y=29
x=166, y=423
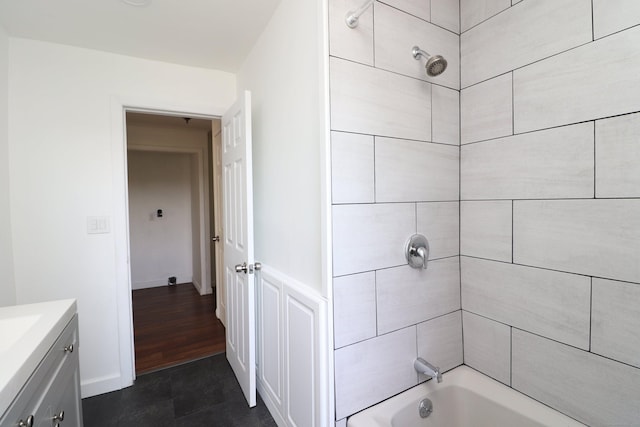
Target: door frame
x=119, y=107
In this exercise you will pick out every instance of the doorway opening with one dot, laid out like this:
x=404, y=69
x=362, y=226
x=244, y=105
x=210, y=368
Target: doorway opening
x=172, y=202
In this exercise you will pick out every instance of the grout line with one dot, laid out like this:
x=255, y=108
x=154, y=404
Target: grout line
x=513, y=105
x=595, y=147
x=512, y=227
x=593, y=28
x=375, y=177
x=590, y=311
x=510, y=356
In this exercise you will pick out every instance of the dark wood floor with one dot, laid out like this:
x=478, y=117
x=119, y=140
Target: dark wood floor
x=174, y=325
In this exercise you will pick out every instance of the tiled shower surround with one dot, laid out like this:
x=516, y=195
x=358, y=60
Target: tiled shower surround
x=521, y=164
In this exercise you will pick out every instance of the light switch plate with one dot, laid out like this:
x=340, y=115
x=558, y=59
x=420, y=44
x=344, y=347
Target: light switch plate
x=98, y=225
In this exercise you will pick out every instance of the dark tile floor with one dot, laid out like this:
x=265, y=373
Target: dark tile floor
x=201, y=393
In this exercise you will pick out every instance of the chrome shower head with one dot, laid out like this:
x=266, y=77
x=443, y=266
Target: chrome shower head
x=435, y=64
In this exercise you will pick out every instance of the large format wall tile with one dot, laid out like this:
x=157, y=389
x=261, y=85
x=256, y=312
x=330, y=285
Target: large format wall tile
x=368, y=237
x=486, y=110
x=354, y=308
x=355, y=44
x=415, y=171
x=589, y=388
x=439, y=223
x=615, y=320
x=522, y=35
x=472, y=12
x=398, y=32
x=487, y=346
x=446, y=13
x=445, y=115
x=610, y=16
x=485, y=229
x=440, y=341
x=352, y=179
x=374, y=370
x=594, y=237
x=419, y=8
x=549, y=303
x=378, y=102
x=568, y=88
x=618, y=156
x=554, y=163
x=407, y=296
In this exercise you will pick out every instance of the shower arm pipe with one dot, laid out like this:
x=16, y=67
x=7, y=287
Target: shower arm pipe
x=353, y=16
x=417, y=53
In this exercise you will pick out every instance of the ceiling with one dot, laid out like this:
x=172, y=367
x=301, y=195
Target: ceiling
x=216, y=34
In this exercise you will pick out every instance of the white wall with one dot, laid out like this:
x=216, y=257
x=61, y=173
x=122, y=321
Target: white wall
x=160, y=246
x=7, y=285
x=284, y=74
x=67, y=163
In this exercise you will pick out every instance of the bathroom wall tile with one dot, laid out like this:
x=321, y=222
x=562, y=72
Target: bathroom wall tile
x=519, y=36
x=472, y=12
x=610, y=16
x=419, y=8
x=553, y=304
x=355, y=44
x=446, y=13
x=397, y=33
x=440, y=341
x=368, y=237
x=445, y=115
x=373, y=370
x=413, y=170
x=571, y=380
x=487, y=346
x=515, y=1
x=596, y=237
x=439, y=223
x=352, y=168
x=567, y=89
x=485, y=110
x=485, y=229
x=553, y=163
x=372, y=101
x=354, y=308
x=618, y=156
x=615, y=320
x=407, y=296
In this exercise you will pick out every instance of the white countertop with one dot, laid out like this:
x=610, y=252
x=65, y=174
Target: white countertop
x=27, y=332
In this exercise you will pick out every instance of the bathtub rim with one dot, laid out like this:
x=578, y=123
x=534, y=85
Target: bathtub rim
x=469, y=378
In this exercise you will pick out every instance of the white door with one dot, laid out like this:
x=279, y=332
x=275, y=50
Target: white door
x=238, y=244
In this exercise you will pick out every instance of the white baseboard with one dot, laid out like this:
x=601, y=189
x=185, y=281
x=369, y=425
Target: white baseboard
x=270, y=404
x=156, y=283
x=101, y=385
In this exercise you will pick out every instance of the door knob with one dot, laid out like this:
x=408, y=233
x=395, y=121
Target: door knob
x=244, y=268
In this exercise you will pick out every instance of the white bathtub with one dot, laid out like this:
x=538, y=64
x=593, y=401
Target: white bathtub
x=465, y=398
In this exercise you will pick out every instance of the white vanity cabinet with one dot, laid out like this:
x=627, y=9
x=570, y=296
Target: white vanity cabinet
x=51, y=395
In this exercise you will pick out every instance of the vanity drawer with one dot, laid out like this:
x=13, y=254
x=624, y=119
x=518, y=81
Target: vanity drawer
x=38, y=394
